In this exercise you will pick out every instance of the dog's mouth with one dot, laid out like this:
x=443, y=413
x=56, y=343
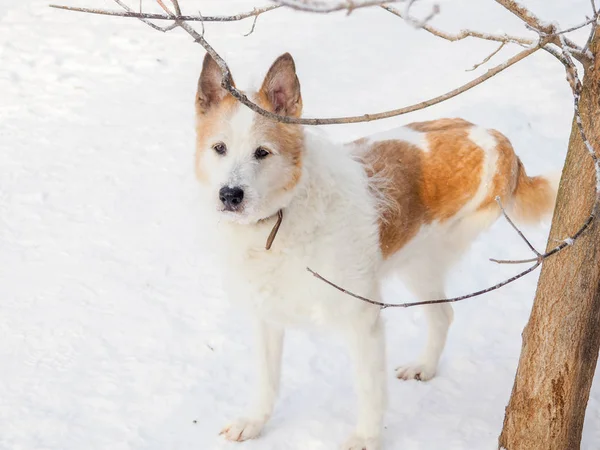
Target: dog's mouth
x=234, y=214
x=233, y=208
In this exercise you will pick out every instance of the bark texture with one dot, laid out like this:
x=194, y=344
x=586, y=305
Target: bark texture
x=562, y=338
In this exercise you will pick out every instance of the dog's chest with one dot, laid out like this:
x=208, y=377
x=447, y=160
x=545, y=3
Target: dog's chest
x=273, y=284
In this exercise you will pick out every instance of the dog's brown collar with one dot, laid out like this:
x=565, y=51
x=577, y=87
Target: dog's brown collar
x=275, y=229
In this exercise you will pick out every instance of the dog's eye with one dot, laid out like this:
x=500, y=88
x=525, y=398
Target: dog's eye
x=261, y=153
x=220, y=148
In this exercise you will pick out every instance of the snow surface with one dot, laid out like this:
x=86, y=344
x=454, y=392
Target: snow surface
x=114, y=333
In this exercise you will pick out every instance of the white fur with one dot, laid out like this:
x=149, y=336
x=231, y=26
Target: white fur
x=486, y=142
x=330, y=224
x=424, y=261
x=239, y=168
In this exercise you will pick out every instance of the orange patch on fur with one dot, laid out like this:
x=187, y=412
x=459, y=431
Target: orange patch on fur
x=422, y=186
x=439, y=125
x=289, y=139
x=396, y=169
x=206, y=123
x=451, y=171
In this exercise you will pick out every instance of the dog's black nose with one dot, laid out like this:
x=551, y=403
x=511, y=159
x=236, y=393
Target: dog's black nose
x=231, y=197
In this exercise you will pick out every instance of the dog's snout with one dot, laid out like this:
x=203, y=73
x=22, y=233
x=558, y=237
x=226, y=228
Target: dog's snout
x=231, y=196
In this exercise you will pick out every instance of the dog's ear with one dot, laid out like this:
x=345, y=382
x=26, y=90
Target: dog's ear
x=210, y=93
x=281, y=87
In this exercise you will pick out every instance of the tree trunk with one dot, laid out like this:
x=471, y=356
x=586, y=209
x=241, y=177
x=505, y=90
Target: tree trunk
x=562, y=338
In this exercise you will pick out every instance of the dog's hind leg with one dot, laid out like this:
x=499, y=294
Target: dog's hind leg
x=269, y=349
x=439, y=317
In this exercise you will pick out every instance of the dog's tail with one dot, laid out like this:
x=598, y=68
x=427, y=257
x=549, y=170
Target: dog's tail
x=533, y=197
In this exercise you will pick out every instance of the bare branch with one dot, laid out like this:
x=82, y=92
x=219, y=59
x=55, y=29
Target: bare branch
x=519, y=232
x=514, y=261
x=426, y=302
x=227, y=83
x=453, y=37
x=575, y=27
x=319, y=6
x=592, y=32
x=435, y=10
x=253, y=24
x=382, y=115
x=543, y=29
x=490, y=56
x=548, y=34
x=240, y=96
x=416, y=22
x=186, y=18
x=146, y=21
x=165, y=8
x=572, y=77
x=176, y=6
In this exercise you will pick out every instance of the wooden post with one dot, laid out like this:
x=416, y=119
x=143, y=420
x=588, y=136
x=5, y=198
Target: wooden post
x=562, y=338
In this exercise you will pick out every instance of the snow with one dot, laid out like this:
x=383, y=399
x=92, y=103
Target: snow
x=114, y=333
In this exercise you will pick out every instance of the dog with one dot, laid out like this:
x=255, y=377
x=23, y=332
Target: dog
x=407, y=202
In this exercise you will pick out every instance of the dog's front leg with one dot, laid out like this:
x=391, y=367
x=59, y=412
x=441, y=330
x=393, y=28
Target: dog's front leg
x=269, y=348
x=367, y=348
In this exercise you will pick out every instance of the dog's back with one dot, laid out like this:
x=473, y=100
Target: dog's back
x=437, y=184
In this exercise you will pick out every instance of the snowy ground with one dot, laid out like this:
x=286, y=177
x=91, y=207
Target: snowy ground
x=113, y=331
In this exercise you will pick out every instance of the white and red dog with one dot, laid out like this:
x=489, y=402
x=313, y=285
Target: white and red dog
x=405, y=202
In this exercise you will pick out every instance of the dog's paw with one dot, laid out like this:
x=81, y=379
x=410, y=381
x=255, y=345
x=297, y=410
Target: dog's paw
x=421, y=372
x=242, y=430
x=361, y=443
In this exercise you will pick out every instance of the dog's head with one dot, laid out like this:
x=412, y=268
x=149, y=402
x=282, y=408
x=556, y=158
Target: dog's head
x=249, y=165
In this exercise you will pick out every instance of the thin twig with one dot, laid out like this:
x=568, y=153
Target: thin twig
x=519, y=232
x=548, y=35
x=384, y=305
x=418, y=23
x=567, y=59
x=227, y=80
x=227, y=83
x=202, y=23
x=575, y=27
x=548, y=30
x=240, y=96
x=435, y=10
x=166, y=9
x=592, y=32
x=253, y=25
x=373, y=116
x=318, y=6
x=176, y=6
x=514, y=261
x=490, y=56
x=146, y=21
x=153, y=16
x=453, y=37
x=463, y=34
